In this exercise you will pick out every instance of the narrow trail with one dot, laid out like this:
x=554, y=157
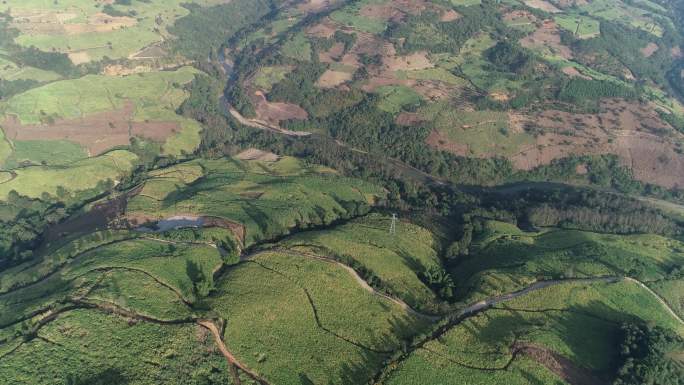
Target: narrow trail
x=314, y=310
x=658, y=297
x=232, y=360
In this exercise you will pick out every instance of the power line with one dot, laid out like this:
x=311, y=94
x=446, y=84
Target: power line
x=393, y=226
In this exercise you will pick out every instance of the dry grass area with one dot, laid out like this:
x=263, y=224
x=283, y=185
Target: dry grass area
x=79, y=57
x=543, y=5
x=546, y=39
x=96, y=132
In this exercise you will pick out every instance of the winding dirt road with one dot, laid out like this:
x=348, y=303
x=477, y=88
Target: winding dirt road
x=658, y=297
x=211, y=326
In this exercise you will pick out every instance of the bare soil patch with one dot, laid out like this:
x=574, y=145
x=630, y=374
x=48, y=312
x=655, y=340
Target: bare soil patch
x=676, y=52
x=547, y=37
x=79, y=57
x=543, y=5
x=332, y=79
x=632, y=131
x=277, y=112
x=314, y=6
x=415, y=61
x=409, y=119
x=563, y=367
x=256, y=154
x=96, y=132
x=334, y=54
x=574, y=73
x=650, y=49
x=441, y=142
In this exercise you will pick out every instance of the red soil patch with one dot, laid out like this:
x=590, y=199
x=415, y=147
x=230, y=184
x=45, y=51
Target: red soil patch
x=276, y=112
x=649, y=50
x=632, y=131
x=563, y=367
x=449, y=15
x=96, y=132
x=324, y=30
x=547, y=37
x=334, y=54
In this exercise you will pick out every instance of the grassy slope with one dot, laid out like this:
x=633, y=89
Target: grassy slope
x=132, y=353
x=81, y=175
x=583, y=329
x=396, y=259
x=507, y=259
x=156, y=96
x=268, y=198
x=284, y=342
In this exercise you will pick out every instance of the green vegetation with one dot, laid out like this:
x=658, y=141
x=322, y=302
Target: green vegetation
x=205, y=29
x=266, y=77
x=297, y=48
x=391, y=263
x=646, y=352
x=581, y=26
x=350, y=16
x=82, y=175
x=577, y=321
x=313, y=311
x=150, y=97
x=394, y=98
x=503, y=257
x=53, y=152
x=267, y=198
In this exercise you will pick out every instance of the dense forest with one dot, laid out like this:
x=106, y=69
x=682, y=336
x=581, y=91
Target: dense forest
x=646, y=353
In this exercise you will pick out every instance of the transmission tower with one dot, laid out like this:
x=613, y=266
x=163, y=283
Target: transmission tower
x=393, y=226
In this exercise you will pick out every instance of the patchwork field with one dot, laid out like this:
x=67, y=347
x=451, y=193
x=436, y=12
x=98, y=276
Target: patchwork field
x=88, y=31
x=101, y=112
